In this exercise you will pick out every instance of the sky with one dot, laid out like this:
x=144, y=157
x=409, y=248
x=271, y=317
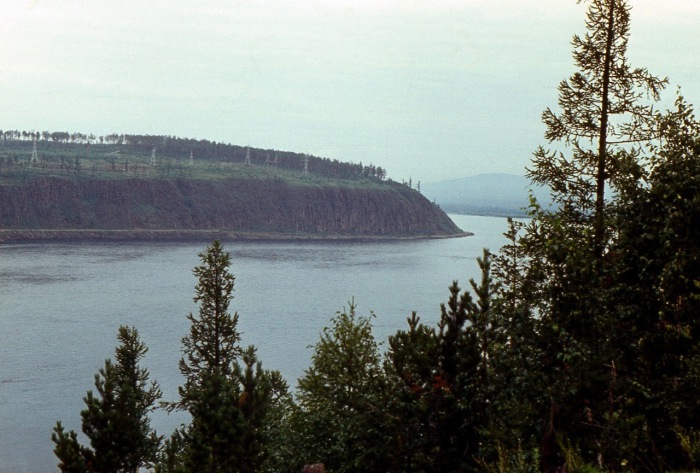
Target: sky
x=429, y=90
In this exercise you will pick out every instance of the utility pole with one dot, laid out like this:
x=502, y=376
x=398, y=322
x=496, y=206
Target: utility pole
x=35, y=157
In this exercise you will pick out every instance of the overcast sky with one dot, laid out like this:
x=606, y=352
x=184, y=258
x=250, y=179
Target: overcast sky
x=430, y=90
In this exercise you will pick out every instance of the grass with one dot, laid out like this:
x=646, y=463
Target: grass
x=112, y=162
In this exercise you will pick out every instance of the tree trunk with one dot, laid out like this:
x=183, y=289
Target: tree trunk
x=599, y=224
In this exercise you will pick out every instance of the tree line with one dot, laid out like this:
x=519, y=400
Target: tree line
x=576, y=351
x=180, y=148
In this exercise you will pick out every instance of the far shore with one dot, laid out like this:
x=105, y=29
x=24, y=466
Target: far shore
x=50, y=235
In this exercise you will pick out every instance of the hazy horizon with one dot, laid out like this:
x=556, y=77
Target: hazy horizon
x=429, y=92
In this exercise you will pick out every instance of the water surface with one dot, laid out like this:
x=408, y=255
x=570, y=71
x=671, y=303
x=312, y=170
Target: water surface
x=62, y=303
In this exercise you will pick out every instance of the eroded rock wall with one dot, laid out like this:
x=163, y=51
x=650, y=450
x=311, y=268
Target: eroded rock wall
x=239, y=205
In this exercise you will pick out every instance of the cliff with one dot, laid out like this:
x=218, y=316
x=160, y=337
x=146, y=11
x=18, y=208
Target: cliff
x=48, y=206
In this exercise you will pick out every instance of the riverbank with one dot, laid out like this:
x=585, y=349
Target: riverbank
x=49, y=235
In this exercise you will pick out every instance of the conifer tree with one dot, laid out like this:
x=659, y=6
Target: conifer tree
x=226, y=392
x=441, y=381
x=255, y=403
x=213, y=344
x=210, y=393
x=341, y=399
x=564, y=293
x=410, y=367
x=604, y=121
x=116, y=421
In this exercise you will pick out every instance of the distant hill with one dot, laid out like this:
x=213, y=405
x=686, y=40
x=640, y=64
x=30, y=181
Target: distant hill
x=73, y=187
x=485, y=194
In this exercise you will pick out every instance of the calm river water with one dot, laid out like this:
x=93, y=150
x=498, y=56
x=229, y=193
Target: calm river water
x=61, y=305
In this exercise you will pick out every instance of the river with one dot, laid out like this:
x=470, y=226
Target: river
x=62, y=303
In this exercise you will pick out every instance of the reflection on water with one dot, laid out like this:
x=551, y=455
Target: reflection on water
x=61, y=305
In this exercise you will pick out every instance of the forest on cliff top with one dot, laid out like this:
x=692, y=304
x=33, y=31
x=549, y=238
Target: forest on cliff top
x=25, y=153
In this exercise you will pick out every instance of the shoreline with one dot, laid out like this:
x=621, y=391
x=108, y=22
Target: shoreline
x=146, y=235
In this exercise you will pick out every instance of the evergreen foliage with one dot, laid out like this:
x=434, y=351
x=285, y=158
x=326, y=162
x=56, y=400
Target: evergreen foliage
x=659, y=259
x=116, y=421
x=440, y=382
x=582, y=283
x=213, y=344
x=602, y=109
x=228, y=395
x=341, y=399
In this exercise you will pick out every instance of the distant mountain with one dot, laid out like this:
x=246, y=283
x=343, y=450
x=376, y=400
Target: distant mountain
x=485, y=194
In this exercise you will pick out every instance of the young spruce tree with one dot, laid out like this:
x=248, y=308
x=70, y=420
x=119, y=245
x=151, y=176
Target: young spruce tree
x=228, y=402
x=210, y=393
x=116, y=421
x=213, y=343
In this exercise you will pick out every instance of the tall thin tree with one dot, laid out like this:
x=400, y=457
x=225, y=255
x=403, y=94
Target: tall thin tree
x=213, y=343
x=604, y=118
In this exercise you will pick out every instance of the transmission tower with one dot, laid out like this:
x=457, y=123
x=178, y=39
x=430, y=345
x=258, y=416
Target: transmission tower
x=267, y=160
x=35, y=157
x=305, y=172
x=247, y=157
x=153, y=158
x=191, y=158
x=274, y=163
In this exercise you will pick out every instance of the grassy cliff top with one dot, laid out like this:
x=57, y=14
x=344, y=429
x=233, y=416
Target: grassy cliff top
x=210, y=161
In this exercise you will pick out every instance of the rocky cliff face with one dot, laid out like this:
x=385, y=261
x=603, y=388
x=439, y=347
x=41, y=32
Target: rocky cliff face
x=54, y=203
